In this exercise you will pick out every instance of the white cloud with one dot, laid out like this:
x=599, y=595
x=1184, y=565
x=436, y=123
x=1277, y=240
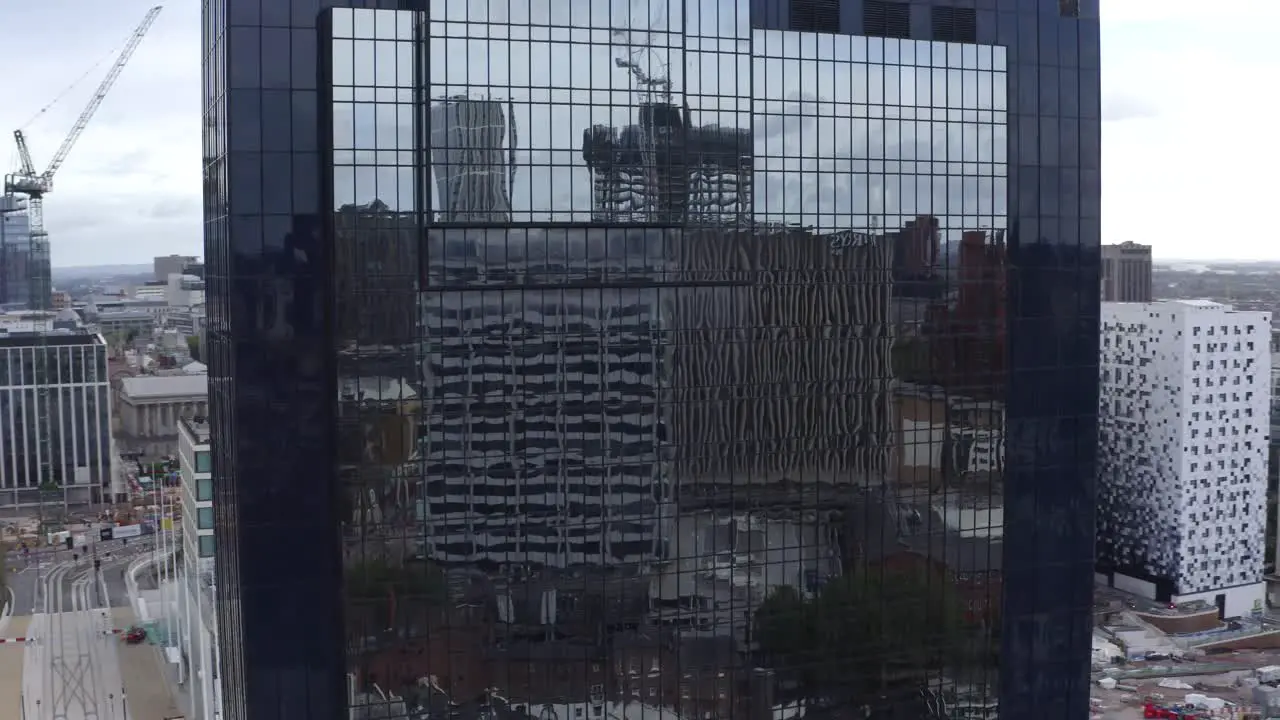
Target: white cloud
x=130, y=188
x=1188, y=148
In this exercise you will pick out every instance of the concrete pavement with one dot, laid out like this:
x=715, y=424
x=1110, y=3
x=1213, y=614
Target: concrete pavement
x=12, y=656
x=146, y=679
x=71, y=665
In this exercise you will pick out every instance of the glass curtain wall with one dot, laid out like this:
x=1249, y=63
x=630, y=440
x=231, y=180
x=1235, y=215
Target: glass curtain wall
x=671, y=361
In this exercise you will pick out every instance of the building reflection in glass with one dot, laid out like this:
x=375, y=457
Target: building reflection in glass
x=662, y=352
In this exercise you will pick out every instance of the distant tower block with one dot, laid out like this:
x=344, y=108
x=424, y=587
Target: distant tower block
x=470, y=140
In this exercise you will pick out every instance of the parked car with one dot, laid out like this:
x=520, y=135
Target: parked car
x=135, y=635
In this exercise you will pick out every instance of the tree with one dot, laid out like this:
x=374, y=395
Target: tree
x=784, y=627
x=193, y=346
x=864, y=633
x=394, y=596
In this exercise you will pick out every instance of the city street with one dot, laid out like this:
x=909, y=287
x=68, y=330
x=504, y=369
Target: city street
x=25, y=578
x=71, y=664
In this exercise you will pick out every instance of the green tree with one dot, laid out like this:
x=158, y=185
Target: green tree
x=193, y=346
x=783, y=626
x=393, y=596
x=864, y=632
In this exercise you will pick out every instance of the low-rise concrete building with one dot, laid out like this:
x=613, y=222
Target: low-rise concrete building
x=151, y=406
x=124, y=322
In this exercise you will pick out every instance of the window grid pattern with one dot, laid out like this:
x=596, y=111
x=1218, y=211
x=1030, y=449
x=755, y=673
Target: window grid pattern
x=739, y=352
x=619, y=252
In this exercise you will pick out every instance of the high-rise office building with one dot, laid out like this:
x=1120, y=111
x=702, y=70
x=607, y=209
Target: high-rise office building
x=631, y=440
x=662, y=167
x=25, y=281
x=1183, y=422
x=472, y=145
x=63, y=429
x=165, y=265
x=1126, y=273
x=530, y=392
x=375, y=264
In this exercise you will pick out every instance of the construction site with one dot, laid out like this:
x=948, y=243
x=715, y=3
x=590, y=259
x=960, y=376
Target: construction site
x=1182, y=661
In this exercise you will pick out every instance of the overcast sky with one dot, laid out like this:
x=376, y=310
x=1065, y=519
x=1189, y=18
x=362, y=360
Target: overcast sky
x=1188, y=137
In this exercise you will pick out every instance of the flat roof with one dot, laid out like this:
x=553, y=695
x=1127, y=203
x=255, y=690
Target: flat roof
x=146, y=387
x=198, y=429
x=59, y=338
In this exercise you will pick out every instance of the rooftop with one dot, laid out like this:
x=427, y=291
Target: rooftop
x=198, y=427
x=116, y=315
x=149, y=387
x=879, y=526
x=1206, y=304
x=32, y=337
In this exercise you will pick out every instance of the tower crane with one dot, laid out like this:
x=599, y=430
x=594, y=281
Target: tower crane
x=26, y=181
x=35, y=185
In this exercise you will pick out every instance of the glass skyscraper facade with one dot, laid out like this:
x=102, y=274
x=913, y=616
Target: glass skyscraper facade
x=708, y=358
x=25, y=280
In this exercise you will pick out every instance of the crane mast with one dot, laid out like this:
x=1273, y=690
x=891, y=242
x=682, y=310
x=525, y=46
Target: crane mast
x=26, y=181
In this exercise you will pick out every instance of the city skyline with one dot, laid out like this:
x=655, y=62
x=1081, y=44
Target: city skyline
x=133, y=189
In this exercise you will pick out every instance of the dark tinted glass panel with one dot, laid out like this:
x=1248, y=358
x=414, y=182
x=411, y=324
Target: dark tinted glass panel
x=632, y=347
x=25, y=280
x=815, y=15
x=660, y=350
x=953, y=24
x=886, y=18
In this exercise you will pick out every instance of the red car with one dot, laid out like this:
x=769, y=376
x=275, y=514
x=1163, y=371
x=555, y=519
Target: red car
x=135, y=635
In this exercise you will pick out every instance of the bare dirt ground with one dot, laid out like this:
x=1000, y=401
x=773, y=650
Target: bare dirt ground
x=1127, y=704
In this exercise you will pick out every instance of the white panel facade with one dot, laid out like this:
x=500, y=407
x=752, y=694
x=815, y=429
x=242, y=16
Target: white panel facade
x=1183, y=436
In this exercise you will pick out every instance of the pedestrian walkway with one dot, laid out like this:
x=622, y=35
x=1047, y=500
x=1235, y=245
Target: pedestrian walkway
x=146, y=679
x=11, y=659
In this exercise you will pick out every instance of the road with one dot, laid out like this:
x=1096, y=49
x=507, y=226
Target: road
x=71, y=667
x=26, y=574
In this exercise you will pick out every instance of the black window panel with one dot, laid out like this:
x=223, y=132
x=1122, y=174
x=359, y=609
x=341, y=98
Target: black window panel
x=954, y=24
x=815, y=15
x=1069, y=8
x=881, y=18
